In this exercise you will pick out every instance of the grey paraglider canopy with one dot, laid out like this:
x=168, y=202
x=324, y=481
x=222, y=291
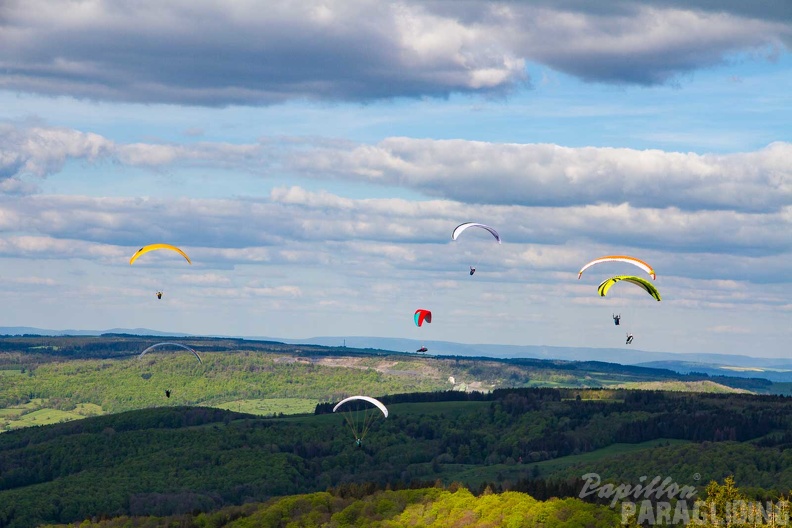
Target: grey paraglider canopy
x=461, y=227
x=185, y=347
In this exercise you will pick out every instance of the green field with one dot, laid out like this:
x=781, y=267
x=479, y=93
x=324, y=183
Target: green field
x=681, y=386
x=42, y=417
x=38, y=412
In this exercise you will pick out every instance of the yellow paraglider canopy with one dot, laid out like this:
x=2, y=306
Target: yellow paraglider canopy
x=154, y=247
x=647, y=286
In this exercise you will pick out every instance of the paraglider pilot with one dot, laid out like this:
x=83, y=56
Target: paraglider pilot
x=629, y=338
x=616, y=319
x=159, y=295
x=167, y=393
x=358, y=442
x=472, y=270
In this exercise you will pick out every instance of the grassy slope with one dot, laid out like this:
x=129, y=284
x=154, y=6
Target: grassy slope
x=256, y=383
x=263, y=379
x=682, y=386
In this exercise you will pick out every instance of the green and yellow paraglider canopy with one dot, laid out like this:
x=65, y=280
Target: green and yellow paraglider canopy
x=647, y=286
x=154, y=247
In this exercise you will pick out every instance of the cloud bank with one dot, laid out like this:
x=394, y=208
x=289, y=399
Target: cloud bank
x=217, y=53
x=474, y=172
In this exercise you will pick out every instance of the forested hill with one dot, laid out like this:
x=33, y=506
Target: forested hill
x=178, y=460
x=54, y=379
x=429, y=507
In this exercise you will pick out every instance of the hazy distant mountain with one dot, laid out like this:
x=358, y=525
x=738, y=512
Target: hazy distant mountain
x=774, y=369
x=760, y=368
x=29, y=330
x=624, y=356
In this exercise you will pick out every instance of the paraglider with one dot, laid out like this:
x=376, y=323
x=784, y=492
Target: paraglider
x=158, y=345
x=185, y=347
x=620, y=258
x=647, y=286
x=360, y=412
x=422, y=315
x=154, y=247
x=644, y=284
x=458, y=230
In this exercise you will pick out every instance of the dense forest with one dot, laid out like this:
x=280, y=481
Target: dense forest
x=179, y=460
x=429, y=507
x=438, y=506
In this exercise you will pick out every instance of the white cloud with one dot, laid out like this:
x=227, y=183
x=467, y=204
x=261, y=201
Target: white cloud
x=552, y=175
x=43, y=247
x=41, y=151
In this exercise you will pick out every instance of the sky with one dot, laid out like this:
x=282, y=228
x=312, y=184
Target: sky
x=313, y=158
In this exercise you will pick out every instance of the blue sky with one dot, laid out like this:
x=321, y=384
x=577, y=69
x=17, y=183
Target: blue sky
x=313, y=159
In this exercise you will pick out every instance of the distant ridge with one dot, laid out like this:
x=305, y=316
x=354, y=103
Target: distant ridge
x=624, y=356
x=29, y=330
x=775, y=369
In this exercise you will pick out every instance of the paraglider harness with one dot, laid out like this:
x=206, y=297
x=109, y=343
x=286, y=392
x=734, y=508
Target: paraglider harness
x=159, y=295
x=472, y=270
x=616, y=319
x=629, y=338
